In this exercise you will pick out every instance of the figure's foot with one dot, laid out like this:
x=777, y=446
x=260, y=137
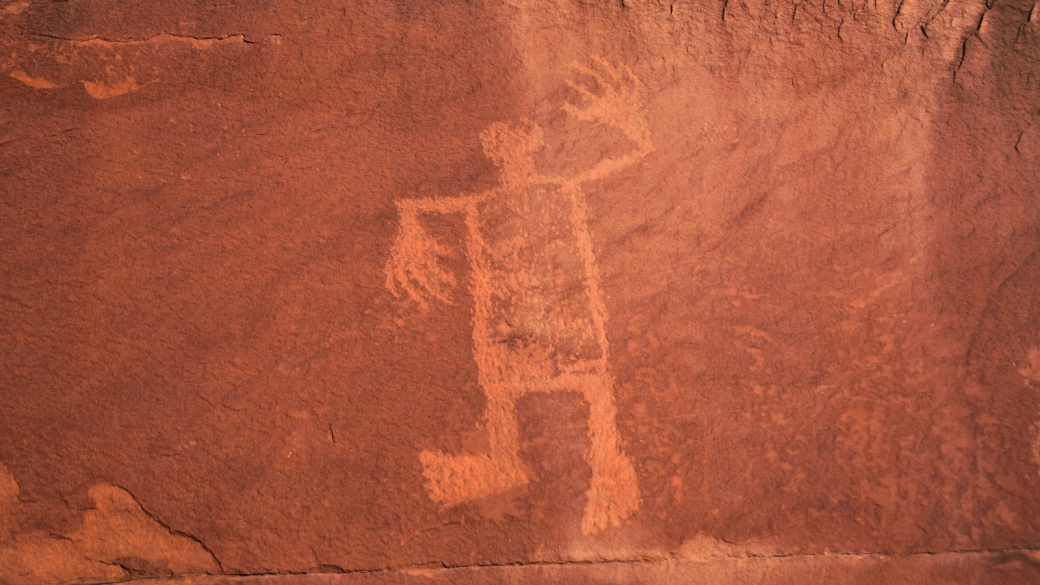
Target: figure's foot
x=613, y=495
x=454, y=479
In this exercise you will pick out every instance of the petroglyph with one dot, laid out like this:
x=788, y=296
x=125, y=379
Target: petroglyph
x=8, y=503
x=103, y=91
x=13, y=8
x=1030, y=370
x=538, y=314
x=106, y=68
x=31, y=81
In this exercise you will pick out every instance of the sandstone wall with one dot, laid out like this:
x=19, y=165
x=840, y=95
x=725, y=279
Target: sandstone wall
x=322, y=287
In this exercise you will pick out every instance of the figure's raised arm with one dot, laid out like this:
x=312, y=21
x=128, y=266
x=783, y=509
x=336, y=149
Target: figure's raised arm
x=414, y=265
x=618, y=103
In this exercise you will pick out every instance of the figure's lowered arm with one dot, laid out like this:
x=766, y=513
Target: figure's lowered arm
x=619, y=104
x=414, y=264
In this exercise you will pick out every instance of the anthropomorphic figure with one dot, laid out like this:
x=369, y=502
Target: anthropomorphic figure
x=538, y=315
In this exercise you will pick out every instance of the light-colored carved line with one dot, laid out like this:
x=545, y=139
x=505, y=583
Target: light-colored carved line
x=579, y=222
x=490, y=373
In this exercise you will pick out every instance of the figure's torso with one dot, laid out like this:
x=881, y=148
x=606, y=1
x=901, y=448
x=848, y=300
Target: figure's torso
x=539, y=303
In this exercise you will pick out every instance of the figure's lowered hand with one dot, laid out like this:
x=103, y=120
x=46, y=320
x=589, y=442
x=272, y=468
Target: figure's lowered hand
x=414, y=265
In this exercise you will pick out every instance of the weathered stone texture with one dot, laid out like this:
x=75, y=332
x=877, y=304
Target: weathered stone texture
x=770, y=280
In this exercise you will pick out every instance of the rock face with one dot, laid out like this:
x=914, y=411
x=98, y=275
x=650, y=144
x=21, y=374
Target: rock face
x=378, y=288
x=117, y=540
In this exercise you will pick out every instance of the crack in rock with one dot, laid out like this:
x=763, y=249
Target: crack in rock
x=195, y=42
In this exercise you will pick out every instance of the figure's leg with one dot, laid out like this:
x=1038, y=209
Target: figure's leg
x=614, y=491
x=453, y=479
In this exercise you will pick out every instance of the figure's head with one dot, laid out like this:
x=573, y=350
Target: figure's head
x=512, y=146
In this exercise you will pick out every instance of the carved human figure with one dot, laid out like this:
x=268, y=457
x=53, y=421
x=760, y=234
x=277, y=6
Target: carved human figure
x=538, y=315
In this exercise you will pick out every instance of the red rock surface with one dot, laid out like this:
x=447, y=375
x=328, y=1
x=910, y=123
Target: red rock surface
x=319, y=287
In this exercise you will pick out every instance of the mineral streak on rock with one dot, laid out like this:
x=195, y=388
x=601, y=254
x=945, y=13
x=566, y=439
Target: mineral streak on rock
x=520, y=291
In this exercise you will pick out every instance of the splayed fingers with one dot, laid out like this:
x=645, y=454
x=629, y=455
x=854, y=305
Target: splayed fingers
x=614, y=97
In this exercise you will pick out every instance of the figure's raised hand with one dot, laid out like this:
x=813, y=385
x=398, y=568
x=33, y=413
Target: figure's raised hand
x=615, y=99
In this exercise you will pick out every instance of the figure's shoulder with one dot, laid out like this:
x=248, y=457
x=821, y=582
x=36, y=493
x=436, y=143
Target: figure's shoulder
x=550, y=180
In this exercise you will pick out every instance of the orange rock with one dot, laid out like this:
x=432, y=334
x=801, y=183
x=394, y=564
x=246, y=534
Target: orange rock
x=744, y=289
